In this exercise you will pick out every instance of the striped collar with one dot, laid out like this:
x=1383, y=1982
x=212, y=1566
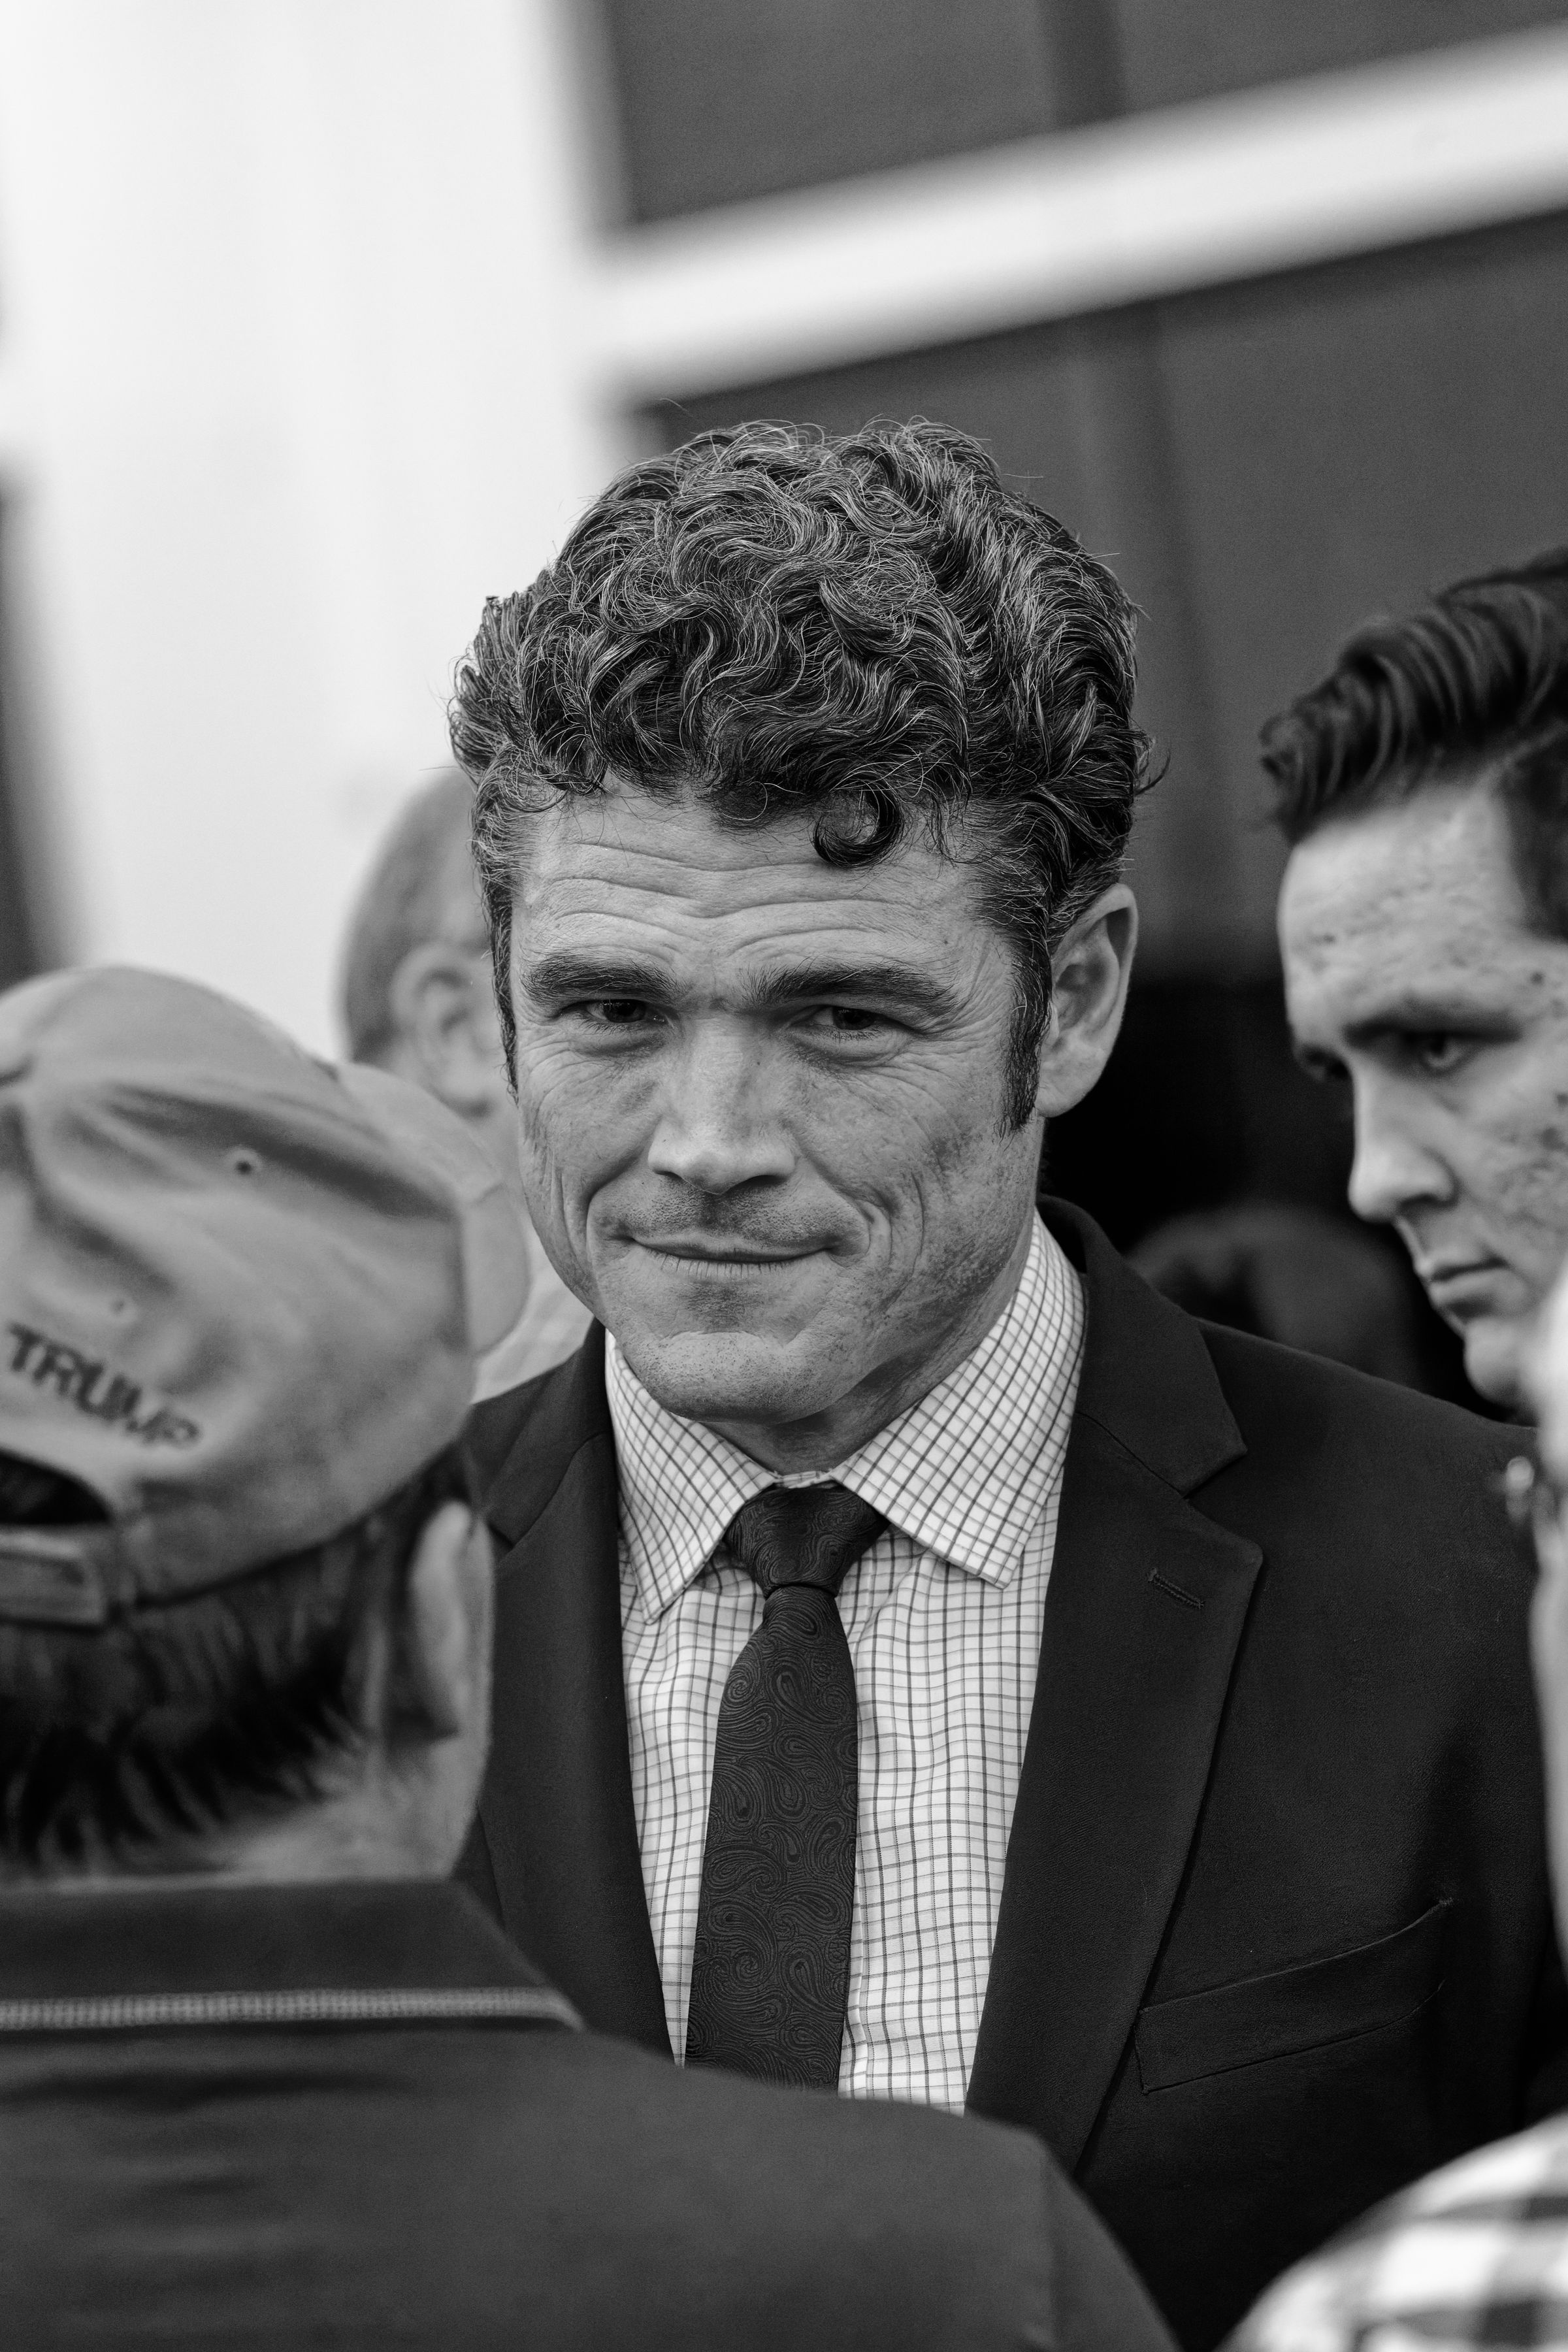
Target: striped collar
x=158, y=1951
x=964, y=1474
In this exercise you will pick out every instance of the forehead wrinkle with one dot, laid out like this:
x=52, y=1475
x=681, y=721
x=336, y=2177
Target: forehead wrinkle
x=670, y=891
x=1350, y=995
x=631, y=840
x=761, y=944
x=1402, y=899
x=767, y=934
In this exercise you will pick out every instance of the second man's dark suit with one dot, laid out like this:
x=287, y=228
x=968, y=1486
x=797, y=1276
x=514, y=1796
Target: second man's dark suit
x=1275, y=1935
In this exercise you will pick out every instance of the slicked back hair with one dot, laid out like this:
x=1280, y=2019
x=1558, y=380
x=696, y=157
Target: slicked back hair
x=127, y=1746
x=1472, y=686
x=873, y=630
x=403, y=902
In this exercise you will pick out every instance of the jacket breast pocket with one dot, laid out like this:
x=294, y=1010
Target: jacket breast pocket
x=1290, y=2009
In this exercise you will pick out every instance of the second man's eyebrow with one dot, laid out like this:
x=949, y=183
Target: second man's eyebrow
x=1408, y=1014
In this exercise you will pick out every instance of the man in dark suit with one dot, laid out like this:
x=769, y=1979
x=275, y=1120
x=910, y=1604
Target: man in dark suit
x=927, y=1662
x=266, y=2077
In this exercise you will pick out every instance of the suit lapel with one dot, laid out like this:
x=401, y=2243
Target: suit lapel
x=1144, y=1612
x=556, y=1809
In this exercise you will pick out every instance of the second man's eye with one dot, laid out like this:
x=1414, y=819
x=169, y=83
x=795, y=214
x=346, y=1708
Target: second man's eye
x=1437, y=1051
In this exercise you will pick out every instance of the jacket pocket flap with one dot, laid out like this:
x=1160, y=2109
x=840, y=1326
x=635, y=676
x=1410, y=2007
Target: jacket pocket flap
x=1292, y=2009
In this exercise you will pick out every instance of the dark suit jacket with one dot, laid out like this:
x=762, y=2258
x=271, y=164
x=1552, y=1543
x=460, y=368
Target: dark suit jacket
x=442, y=2184
x=1275, y=1933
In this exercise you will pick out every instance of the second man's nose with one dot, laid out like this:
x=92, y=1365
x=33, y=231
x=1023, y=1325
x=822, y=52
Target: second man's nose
x=1396, y=1165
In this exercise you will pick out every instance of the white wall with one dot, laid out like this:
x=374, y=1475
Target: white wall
x=289, y=382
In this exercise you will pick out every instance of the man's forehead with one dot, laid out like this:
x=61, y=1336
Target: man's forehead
x=633, y=858
x=1382, y=901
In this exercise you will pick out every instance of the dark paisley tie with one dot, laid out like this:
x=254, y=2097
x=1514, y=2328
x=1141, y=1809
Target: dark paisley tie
x=769, y=1971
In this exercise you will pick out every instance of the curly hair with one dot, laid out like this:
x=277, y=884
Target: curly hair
x=871, y=629
x=1476, y=679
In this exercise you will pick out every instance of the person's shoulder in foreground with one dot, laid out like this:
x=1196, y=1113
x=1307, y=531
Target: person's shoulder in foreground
x=774, y=2217
x=1476, y=2255
x=430, y=2155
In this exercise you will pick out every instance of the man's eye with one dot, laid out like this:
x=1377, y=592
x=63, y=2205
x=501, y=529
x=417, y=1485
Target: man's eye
x=615, y=1011
x=846, y=1020
x=1436, y=1051
x=1323, y=1069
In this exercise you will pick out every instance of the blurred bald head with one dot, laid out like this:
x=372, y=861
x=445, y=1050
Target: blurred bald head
x=416, y=996
x=419, y=889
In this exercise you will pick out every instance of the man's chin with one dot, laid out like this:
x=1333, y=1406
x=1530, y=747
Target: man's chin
x=724, y=1376
x=1495, y=1357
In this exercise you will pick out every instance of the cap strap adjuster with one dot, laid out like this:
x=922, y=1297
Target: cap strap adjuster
x=48, y=1579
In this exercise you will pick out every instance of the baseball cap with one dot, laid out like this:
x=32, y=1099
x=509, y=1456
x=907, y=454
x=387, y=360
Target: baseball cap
x=241, y=1291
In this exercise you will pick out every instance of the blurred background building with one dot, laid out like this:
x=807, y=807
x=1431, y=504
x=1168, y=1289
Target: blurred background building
x=319, y=319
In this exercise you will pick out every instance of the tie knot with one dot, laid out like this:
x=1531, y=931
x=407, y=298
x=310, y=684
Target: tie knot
x=803, y=1534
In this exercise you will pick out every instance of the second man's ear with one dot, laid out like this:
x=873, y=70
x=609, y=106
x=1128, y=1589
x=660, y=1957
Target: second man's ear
x=1090, y=972
x=446, y=1027
x=444, y=1671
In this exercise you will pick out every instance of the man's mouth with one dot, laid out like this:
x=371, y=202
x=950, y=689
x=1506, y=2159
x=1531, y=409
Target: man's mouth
x=1453, y=1285
x=723, y=1255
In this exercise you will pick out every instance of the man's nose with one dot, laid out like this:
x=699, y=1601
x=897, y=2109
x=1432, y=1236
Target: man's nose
x=720, y=1126
x=1395, y=1166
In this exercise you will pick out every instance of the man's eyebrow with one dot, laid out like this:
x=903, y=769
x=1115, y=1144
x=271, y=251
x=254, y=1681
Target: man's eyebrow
x=1402, y=1015
x=884, y=984
x=568, y=973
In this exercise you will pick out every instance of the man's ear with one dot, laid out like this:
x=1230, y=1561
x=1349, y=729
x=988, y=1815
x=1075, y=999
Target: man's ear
x=445, y=1023
x=1090, y=972
x=444, y=1668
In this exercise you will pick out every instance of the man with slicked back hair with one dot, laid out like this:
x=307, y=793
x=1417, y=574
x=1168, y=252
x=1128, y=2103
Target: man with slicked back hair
x=928, y=1665
x=1422, y=785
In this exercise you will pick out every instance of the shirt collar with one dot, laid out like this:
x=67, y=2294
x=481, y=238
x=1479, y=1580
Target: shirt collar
x=145, y=1936
x=964, y=1474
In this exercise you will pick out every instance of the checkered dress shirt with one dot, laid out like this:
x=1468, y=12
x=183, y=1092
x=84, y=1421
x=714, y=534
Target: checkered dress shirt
x=944, y=1616
x=1475, y=2254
